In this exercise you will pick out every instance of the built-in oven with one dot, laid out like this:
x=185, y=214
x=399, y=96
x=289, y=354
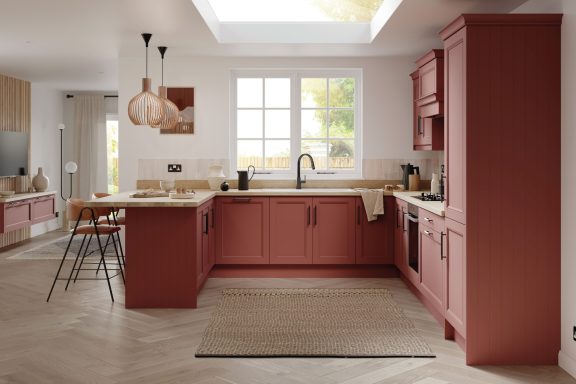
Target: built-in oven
x=412, y=226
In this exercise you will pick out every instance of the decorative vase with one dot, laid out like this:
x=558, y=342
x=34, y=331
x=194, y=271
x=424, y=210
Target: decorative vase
x=40, y=181
x=216, y=177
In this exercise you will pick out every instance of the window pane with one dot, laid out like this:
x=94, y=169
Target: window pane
x=319, y=151
x=249, y=124
x=249, y=93
x=313, y=123
x=112, y=154
x=249, y=153
x=277, y=123
x=342, y=92
x=314, y=93
x=341, y=154
x=341, y=123
x=277, y=154
x=277, y=93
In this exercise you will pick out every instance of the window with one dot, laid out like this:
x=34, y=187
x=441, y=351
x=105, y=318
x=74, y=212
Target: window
x=276, y=116
x=112, y=152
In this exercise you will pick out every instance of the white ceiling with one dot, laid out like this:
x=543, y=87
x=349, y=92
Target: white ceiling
x=75, y=44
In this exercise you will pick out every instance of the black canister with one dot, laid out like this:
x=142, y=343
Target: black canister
x=243, y=179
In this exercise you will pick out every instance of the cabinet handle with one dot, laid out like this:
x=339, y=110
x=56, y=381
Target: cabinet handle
x=419, y=125
x=429, y=233
x=428, y=220
x=404, y=221
x=205, y=216
x=358, y=214
x=242, y=199
x=315, y=216
x=308, y=215
x=212, y=213
x=397, y=221
x=442, y=234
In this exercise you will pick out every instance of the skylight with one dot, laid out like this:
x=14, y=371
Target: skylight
x=296, y=21
x=295, y=10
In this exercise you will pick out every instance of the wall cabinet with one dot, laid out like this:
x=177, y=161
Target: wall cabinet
x=205, y=241
x=431, y=243
x=23, y=213
x=375, y=239
x=428, y=102
x=243, y=227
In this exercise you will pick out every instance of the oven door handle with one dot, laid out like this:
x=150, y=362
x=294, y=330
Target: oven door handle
x=412, y=219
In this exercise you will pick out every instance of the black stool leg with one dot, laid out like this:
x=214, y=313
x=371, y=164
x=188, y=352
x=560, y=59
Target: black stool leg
x=76, y=260
x=83, y=256
x=103, y=260
x=60, y=267
x=118, y=258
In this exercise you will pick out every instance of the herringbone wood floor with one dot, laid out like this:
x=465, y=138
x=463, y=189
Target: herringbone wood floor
x=81, y=337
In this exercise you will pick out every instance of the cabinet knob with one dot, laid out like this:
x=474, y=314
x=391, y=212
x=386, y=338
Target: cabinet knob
x=428, y=219
x=429, y=233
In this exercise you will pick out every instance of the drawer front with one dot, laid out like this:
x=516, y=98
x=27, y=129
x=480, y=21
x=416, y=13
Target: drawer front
x=431, y=220
x=42, y=209
x=16, y=216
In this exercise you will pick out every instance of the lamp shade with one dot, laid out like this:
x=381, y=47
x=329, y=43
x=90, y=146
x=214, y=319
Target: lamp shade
x=170, y=111
x=71, y=167
x=146, y=108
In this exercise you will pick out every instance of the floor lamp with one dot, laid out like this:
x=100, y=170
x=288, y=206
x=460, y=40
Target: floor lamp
x=70, y=168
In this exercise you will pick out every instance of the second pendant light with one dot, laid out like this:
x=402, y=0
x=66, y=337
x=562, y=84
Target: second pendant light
x=171, y=112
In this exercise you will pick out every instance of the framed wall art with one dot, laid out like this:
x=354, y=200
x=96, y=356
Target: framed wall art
x=183, y=97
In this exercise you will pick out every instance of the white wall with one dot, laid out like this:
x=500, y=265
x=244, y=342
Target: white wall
x=387, y=114
x=46, y=114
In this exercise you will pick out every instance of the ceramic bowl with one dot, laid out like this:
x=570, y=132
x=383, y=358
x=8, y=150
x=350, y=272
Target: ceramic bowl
x=167, y=185
x=6, y=193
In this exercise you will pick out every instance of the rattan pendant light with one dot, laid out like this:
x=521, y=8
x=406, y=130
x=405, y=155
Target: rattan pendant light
x=171, y=112
x=146, y=108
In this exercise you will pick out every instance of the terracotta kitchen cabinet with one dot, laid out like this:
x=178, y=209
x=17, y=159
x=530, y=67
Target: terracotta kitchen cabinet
x=291, y=230
x=400, y=235
x=502, y=106
x=204, y=241
x=428, y=102
x=242, y=230
x=334, y=221
x=375, y=239
x=431, y=242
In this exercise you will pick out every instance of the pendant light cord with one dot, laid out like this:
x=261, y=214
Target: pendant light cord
x=162, y=52
x=146, y=37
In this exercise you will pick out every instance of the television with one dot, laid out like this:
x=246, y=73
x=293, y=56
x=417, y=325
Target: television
x=13, y=153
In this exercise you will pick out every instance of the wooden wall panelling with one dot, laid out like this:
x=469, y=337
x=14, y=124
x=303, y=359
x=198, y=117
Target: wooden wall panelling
x=14, y=116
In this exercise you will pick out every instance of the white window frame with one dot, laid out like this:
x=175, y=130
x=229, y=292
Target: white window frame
x=295, y=76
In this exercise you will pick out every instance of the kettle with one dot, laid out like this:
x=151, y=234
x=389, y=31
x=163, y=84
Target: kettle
x=243, y=178
x=407, y=170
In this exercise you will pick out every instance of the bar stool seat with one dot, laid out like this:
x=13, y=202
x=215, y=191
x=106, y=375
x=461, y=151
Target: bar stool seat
x=118, y=220
x=77, y=211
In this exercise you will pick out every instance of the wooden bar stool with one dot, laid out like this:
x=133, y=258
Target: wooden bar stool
x=75, y=210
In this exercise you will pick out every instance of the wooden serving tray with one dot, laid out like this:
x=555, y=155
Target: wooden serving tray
x=146, y=194
x=174, y=195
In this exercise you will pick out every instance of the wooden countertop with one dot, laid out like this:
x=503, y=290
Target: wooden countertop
x=24, y=196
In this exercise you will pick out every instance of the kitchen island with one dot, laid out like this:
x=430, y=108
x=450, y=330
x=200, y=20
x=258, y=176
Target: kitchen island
x=170, y=243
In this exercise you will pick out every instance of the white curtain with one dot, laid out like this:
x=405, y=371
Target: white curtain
x=90, y=145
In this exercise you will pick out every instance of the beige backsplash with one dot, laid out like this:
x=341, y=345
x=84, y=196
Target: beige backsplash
x=258, y=184
x=373, y=170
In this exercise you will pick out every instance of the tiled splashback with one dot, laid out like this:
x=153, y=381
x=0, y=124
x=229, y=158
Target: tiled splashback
x=197, y=169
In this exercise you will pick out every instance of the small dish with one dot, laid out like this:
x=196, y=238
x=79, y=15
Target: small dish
x=6, y=193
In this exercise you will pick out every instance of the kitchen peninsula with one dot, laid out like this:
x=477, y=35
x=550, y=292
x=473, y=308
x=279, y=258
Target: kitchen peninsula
x=172, y=244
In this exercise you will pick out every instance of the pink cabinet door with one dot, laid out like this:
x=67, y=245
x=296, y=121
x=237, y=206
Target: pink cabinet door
x=334, y=221
x=242, y=230
x=455, y=123
x=17, y=215
x=290, y=230
x=432, y=270
x=375, y=239
x=400, y=235
x=455, y=276
x=43, y=209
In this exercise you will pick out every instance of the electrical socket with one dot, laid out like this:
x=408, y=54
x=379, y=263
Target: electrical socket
x=574, y=333
x=174, y=167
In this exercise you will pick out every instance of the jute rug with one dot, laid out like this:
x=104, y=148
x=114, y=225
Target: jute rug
x=310, y=323
x=55, y=249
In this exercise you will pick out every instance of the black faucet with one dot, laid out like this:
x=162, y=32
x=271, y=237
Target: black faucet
x=298, y=180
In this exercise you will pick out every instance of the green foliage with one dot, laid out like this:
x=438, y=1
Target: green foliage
x=349, y=10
